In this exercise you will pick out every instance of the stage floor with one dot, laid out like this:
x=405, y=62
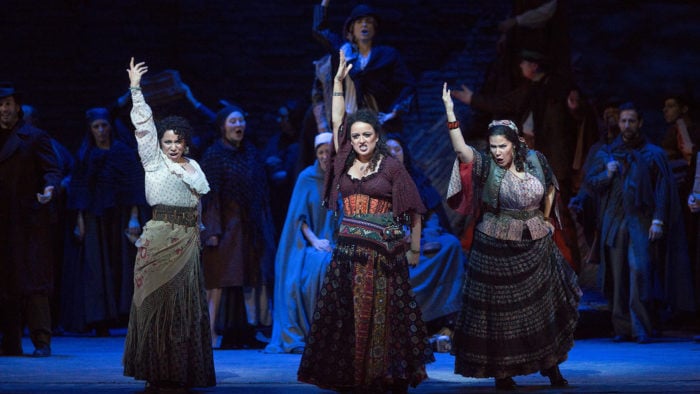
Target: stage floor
x=93, y=365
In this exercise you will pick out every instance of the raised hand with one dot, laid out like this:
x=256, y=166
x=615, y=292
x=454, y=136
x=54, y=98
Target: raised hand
x=135, y=72
x=384, y=117
x=343, y=68
x=447, y=99
x=464, y=94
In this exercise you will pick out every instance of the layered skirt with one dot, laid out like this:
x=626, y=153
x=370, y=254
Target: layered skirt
x=519, y=308
x=168, y=338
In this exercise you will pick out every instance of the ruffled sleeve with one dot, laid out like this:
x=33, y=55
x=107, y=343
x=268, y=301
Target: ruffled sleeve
x=197, y=181
x=404, y=193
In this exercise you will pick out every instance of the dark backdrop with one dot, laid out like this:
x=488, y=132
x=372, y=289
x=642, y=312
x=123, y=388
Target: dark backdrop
x=70, y=55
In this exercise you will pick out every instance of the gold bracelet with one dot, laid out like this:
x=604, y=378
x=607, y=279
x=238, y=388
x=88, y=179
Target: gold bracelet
x=453, y=125
x=414, y=251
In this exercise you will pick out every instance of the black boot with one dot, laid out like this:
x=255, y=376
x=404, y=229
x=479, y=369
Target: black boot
x=505, y=383
x=554, y=375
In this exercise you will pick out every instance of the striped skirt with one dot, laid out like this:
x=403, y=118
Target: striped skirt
x=519, y=311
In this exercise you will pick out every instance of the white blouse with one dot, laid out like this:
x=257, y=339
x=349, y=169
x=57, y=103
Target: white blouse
x=167, y=183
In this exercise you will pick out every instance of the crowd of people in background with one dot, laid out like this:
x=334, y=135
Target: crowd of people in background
x=331, y=242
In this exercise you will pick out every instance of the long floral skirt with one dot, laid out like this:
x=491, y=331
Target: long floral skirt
x=519, y=308
x=367, y=332
x=168, y=338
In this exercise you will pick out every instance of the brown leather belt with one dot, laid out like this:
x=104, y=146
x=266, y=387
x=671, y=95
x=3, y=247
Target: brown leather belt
x=184, y=216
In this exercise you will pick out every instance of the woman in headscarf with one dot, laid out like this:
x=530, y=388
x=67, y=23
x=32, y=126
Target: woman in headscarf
x=239, y=236
x=303, y=253
x=106, y=197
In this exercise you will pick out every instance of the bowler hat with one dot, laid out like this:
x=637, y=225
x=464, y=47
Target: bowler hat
x=360, y=10
x=532, y=55
x=7, y=89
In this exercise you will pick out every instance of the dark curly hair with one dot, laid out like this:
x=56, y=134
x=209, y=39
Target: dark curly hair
x=381, y=150
x=179, y=125
x=520, y=147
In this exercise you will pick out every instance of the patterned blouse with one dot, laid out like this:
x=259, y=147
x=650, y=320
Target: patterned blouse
x=516, y=196
x=167, y=183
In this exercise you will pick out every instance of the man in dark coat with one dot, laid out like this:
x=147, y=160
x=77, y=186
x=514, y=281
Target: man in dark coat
x=379, y=77
x=29, y=173
x=644, y=256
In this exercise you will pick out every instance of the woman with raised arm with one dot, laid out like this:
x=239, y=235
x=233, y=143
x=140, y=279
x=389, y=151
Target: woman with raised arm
x=520, y=297
x=168, y=342
x=367, y=332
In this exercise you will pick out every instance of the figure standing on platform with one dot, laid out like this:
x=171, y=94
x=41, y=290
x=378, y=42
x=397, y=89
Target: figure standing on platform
x=380, y=79
x=168, y=342
x=367, y=332
x=520, y=297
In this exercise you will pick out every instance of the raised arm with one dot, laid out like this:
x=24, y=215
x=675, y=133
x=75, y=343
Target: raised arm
x=142, y=118
x=329, y=40
x=464, y=151
x=338, y=104
x=136, y=71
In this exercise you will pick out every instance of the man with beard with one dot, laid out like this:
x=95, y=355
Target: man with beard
x=643, y=254
x=29, y=173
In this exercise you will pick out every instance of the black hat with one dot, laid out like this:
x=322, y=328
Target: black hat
x=360, y=10
x=534, y=56
x=7, y=89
